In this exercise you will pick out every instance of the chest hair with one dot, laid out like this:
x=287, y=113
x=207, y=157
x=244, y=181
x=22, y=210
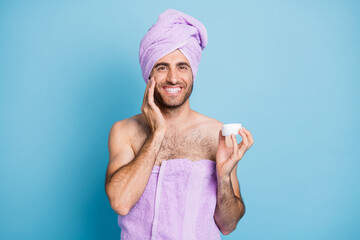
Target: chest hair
x=194, y=144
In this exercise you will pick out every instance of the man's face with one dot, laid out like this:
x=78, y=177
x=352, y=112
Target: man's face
x=174, y=83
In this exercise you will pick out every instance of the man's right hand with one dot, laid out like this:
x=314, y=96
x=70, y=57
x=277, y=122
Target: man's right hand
x=128, y=174
x=151, y=111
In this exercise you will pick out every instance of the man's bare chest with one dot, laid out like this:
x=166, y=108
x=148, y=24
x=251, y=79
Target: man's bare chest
x=193, y=145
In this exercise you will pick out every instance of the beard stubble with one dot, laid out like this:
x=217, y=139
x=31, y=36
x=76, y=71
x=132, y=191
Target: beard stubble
x=162, y=104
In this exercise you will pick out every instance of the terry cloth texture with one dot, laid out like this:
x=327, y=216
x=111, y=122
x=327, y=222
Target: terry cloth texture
x=178, y=203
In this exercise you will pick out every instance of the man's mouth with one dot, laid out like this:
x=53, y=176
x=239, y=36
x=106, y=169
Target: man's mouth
x=172, y=90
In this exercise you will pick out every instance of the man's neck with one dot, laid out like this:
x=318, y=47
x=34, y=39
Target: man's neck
x=177, y=117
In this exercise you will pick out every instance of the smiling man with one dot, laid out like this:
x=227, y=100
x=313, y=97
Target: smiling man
x=176, y=91
x=170, y=174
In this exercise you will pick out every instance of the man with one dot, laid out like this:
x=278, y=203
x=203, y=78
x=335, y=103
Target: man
x=170, y=173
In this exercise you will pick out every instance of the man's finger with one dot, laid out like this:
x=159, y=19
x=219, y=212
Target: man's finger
x=235, y=144
x=221, y=139
x=245, y=142
x=146, y=93
x=247, y=132
x=151, y=92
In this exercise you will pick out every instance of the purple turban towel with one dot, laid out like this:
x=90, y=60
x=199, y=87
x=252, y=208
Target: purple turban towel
x=173, y=30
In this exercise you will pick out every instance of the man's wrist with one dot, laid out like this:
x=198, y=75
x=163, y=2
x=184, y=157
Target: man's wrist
x=157, y=135
x=223, y=178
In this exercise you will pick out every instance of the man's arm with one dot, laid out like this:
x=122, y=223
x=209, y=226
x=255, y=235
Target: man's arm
x=229, y=206
x=127, y=175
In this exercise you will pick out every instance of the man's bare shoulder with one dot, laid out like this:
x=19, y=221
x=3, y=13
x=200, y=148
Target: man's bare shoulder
x=208, y=122
x=130, y=126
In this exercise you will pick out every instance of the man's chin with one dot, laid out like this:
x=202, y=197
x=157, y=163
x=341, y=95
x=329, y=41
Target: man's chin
x=171, y=104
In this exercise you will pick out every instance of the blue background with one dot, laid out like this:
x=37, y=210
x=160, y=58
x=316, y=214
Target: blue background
x=287, y=70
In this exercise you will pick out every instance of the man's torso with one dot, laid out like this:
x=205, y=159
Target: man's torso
x=198, y=140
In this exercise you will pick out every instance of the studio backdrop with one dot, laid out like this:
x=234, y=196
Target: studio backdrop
x=287, y=70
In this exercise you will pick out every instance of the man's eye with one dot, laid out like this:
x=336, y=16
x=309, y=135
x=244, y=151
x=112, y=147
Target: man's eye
x=161, y=68
x=183, y=67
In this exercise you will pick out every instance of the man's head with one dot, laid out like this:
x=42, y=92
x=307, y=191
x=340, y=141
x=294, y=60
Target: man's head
x=174, y=80
x=173, y=30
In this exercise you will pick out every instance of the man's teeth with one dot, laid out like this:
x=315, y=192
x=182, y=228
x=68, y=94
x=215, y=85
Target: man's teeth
x=172, y=90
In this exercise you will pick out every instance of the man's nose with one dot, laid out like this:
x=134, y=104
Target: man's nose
x=172, y=76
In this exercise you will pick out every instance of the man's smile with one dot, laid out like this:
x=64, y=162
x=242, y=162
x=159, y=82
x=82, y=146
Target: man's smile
x=172, y=90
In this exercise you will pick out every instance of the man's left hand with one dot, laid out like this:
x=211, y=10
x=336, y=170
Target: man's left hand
x=228, y=157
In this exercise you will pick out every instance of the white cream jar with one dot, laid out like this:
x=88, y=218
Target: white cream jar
x=233, y=128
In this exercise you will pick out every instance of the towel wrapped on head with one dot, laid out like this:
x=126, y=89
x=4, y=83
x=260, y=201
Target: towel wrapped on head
x=173, y=30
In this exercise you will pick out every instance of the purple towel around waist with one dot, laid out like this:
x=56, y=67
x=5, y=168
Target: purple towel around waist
x=178, y=203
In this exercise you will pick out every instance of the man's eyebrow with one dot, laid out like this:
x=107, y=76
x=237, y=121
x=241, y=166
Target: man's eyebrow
x=161, y=63
x=167, y=64
x=183, y=63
